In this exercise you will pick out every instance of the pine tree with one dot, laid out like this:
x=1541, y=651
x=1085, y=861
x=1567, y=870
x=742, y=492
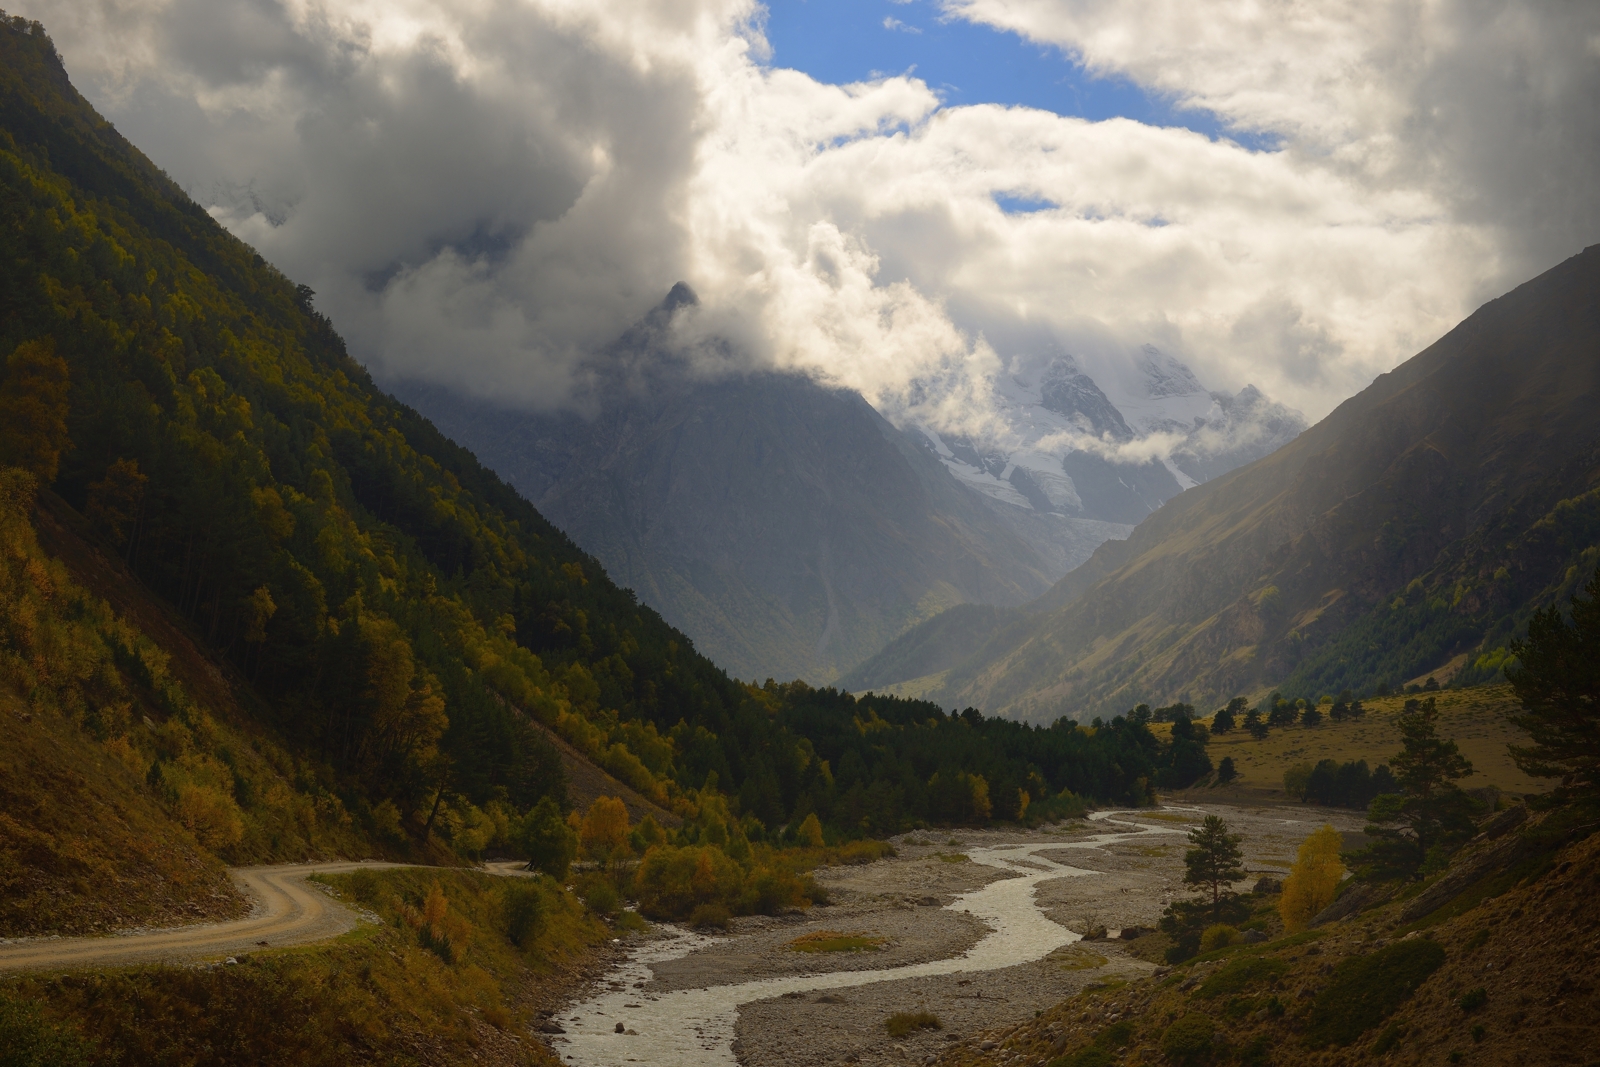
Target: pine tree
x=1430, y=813
x=1557, y=680
x=1215, y=862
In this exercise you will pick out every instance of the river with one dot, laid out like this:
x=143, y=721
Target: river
x=695, y=1027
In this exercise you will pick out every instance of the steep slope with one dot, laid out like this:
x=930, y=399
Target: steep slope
x=786, y=526
x=1415, y=526
x=1498, y=967
x=297, y=604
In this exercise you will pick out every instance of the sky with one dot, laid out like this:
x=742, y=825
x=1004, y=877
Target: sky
x=903, y=198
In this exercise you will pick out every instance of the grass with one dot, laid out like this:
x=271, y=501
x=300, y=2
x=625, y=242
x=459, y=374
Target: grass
x=902, y=1023
x=370, y=997
x=1238, y=975
x=953, y=857
x=1077, y=958
x=1475, y=718
x=833, y=941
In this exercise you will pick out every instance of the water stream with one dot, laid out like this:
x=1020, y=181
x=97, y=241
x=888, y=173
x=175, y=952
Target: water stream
x=695, y=1027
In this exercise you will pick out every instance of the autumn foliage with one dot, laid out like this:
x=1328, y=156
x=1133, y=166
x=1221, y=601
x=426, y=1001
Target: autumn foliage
x=1313, y=881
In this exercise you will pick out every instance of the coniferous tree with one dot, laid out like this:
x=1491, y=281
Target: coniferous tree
x=1417, y=825
x=1557, y=681
x=1215, y=862
x=1226, y=719
x=1255, y=724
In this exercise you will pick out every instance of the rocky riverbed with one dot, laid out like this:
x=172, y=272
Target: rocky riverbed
x=979, y=928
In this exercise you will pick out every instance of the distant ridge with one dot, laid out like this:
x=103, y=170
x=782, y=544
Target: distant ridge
x=1412, y=530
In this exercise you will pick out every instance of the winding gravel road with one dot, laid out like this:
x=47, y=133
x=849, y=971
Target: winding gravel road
x=287, y=912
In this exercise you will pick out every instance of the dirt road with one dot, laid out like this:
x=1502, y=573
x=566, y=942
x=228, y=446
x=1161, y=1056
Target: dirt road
x=287, y=912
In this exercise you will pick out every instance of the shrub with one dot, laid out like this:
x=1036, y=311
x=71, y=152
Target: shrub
x=1089, y=1057
x=1389, y=1038
x=1367, y=989
x=1239, y=975
x=810, y=832
x=1218, y=936
x=1115, y=1036
x=26, y=1040
x=601, y=897
x=522, y=904
x=672, y=882
x=1188, y=1040
x=771, y=890
x=832, y=941
x=710, y=917
x=1473, y=999
x=902, y=1023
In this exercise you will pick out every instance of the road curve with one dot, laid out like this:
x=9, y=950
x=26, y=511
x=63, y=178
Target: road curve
x=287, y=912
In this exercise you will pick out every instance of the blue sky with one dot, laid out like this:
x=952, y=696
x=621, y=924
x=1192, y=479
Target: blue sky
x=841, y=41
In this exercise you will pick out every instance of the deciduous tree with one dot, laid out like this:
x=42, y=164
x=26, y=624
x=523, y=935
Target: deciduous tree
x=33, y=409
x=1313, y=881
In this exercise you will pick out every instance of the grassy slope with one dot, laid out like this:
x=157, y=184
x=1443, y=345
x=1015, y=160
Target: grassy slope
x=1474, y=718
x=1533, y=950
x=85, y=846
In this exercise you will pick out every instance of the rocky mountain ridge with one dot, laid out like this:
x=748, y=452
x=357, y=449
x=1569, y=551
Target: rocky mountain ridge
x=1412, y=530
x=792, y=531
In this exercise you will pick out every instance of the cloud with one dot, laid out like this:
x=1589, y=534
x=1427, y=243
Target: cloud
x=1486, y=105
x=487, y=193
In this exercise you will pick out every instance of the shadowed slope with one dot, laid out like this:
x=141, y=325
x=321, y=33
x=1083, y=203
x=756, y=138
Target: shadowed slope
x=1459, y=490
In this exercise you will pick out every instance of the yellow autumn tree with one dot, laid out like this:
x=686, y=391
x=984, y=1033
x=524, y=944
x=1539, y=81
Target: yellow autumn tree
x=603, y=835
x=1313, y=882
x=810, y=832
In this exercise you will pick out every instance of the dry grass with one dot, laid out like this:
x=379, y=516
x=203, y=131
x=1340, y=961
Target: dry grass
x=833, y=941
x=85, y=845
x=1474, y=718
x=1076, y=957
x=902, y=1023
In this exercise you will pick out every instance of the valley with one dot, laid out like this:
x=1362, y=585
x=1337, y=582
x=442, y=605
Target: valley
x=672, y=703
x=982, y=929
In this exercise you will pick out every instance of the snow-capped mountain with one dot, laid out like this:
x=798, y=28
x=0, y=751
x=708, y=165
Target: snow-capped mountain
x=1072, y=448
x=792, y=530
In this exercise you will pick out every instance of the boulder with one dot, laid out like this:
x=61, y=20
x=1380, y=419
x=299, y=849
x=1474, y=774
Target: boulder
x=1355, y=899
x=1266, y=885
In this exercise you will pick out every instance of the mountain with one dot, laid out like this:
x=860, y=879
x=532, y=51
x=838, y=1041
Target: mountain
x=1411, y=531
x=1064, y=448
x=793, y=531
x=385, y=631
x=253, y=608
x=786, y=526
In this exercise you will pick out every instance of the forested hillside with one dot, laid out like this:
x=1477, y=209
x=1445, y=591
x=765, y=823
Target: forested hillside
x=307, y=624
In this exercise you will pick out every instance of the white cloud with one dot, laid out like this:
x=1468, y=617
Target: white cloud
x=485, y=192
